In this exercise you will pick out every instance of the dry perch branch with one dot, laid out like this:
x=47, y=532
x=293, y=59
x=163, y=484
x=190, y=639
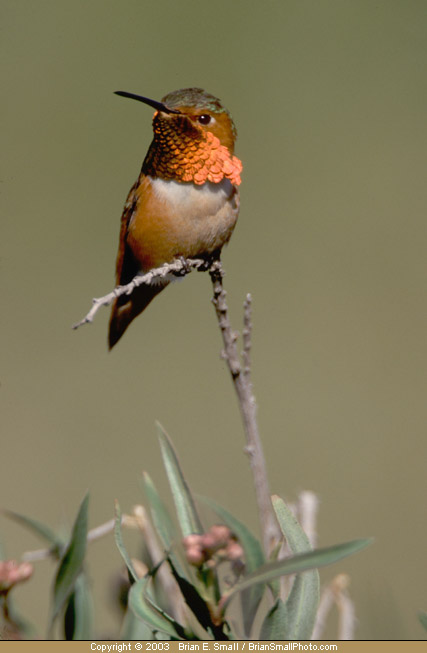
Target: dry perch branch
x=240, y=370
x=241, y=375
x=180, y=267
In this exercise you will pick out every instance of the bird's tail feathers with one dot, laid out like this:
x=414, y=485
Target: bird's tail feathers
x=127, y=307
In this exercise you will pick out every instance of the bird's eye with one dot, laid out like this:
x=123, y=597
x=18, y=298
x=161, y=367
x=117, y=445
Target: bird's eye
x=204, y=119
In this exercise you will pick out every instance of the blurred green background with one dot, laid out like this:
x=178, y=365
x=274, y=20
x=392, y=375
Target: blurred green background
x=329, y=98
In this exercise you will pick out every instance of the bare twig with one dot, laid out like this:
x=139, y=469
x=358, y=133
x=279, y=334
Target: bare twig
x=179, y=267
x=103, y=529
x=247, y=336
x=346, y=611
x=94, y=534
x=308, y=506
x=241, y=375
x=38, y=554
x=242, y=384
x=336, y=593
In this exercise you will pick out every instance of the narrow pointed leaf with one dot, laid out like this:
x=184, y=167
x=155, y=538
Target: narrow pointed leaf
x=185, y=507
x=120, y=544
x=134, y=628
x=274, y=624
x=193, y=599
x=294, y=534
x=79, y=613
x=163, y=523
x=254, y=558
x=275, y=585
x=71, y=563
x=297, y=564
x=300, y=609
x=144, y=607
x=161, y=519
x=40, y=529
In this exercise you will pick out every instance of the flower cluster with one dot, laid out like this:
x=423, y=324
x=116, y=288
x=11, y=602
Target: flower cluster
x=217, y=545
x=12, y=572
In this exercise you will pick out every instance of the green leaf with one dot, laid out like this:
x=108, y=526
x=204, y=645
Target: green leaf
x=79, y=612
x=120, y=544
x=275, y=585
x=297, y=564
x=422, y=617
x=71, y=562
x=40, y=529
x=159, y=513
x=134, y=628
x=163, y=524
x=254, y=558
x=144, y=607
x=299, y=614
x=185, y=507
x=296, y=538
x=193, y=599
x=274, y=624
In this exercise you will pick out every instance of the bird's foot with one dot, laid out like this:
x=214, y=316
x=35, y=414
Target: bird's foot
x=186, y=268
x=208, y=261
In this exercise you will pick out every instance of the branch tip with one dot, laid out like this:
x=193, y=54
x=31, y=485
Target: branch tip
x=178, y=267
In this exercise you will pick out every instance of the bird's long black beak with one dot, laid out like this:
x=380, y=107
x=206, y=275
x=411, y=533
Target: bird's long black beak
x=152, y=103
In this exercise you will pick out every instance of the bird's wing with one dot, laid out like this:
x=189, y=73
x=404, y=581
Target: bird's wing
x=126, y=307
x=126, y=267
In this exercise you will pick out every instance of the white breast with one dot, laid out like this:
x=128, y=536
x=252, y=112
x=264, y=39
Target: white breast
x=206, y=199
x=198, y=220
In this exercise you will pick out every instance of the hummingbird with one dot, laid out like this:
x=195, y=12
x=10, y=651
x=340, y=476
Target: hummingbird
x=185, y=201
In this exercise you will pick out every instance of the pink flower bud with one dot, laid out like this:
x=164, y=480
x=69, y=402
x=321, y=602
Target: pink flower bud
x=195, y=556
x=209, y=542
x=192, y=540
x=12, y=573
x=221, y=533
x=234, y=551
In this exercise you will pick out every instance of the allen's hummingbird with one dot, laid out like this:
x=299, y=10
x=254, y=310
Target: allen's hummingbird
x=185, y=201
